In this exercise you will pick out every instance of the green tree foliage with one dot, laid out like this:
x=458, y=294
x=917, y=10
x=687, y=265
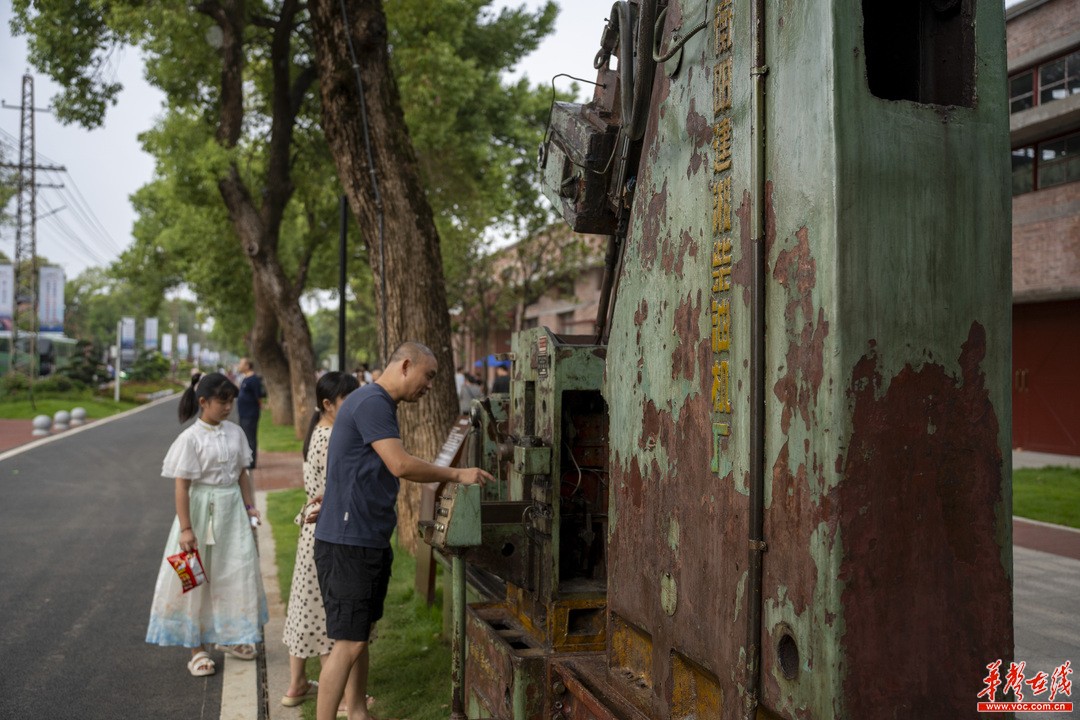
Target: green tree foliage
x=149, y=365
x=475, y=135
x=239, y=109
x=95, y=301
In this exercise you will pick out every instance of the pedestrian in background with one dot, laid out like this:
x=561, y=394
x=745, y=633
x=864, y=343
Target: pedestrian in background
x=502, y=380
x=249, y=405
x=352, y=538
x=215, y=505
x=305, y=620
x=470, y=390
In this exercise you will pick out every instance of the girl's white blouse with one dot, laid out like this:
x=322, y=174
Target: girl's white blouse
x=208, y=454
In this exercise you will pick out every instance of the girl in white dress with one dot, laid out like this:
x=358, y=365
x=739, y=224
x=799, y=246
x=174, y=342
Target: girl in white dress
x=215, y=512
x=305, y=620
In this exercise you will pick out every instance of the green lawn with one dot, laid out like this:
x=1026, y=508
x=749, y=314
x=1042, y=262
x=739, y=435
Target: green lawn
x=1050, y=494
x=278, y=438
x=410, y=664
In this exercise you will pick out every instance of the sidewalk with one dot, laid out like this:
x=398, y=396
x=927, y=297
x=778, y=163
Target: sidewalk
x=275, y=471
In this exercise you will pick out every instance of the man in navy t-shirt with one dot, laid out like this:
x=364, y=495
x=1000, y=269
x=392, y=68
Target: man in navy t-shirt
x=358, y=515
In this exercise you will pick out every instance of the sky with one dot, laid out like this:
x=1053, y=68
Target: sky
x=105, y=166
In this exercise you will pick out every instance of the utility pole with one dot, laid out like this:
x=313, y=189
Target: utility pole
x=26, y=222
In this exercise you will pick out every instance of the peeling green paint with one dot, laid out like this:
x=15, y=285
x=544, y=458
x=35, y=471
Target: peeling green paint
x=669, y=593
x=673, y=535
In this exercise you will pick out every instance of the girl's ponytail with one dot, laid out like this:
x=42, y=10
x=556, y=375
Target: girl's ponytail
x=189, y=404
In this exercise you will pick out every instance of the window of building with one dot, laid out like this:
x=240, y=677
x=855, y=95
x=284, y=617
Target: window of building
x=566, y=322
x=1053, y=80
x=1022, y=91
x=1023, y=170
x=1059, y=161
x=530, y=323
x=1049, y=163
x=1059, y=79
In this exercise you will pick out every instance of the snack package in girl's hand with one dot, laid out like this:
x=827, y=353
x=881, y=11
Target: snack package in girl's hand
x=188, y=565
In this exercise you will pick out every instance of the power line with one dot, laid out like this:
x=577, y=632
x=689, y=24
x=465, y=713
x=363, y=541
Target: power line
x=81, y=207
x=89, y=252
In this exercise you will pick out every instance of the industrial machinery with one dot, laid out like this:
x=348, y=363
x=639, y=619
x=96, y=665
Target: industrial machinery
x=775, y=483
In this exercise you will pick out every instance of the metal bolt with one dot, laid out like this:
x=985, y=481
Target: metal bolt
x=558, y=688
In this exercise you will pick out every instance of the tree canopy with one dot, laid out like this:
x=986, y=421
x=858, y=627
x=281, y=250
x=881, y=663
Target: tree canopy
x=243, y=206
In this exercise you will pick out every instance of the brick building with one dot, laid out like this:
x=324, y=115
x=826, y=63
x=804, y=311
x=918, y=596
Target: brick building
x=1044, y=83
x=567, y=293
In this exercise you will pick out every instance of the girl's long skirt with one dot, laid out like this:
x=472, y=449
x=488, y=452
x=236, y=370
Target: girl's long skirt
x=231, y=607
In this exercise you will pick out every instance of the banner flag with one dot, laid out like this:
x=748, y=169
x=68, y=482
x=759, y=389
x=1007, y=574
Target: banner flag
x=150, y=334
x=7, y=297
x=51, y=299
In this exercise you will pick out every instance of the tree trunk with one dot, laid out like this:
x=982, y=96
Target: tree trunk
x=270, y=360
x=416, y=290
x=273, y=289
x=297, y=337
x=258, y=225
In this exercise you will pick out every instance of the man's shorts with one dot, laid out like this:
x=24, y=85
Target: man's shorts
x=353, y=581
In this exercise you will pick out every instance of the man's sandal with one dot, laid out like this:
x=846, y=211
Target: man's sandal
x=201, y=664
x=240, y=652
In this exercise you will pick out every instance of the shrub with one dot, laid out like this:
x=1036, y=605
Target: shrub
x=84, y=366
x=14, y=385
x=58, y=384
x=150, y=365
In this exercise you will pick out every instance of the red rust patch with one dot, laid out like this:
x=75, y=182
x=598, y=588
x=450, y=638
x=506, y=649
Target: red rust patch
x=700, y=132
x=688, y=349
x=797, y=388
x=651, y=225
x=674, y=260
x=925, y=594
x=742, y=271
x=650, y=425
x=790, y=521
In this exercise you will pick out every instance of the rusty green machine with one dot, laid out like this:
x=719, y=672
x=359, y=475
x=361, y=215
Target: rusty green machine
x=535, y=546
x=782, y=488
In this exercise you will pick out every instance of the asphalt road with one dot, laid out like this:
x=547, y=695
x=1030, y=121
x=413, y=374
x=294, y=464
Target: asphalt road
x=83, y=523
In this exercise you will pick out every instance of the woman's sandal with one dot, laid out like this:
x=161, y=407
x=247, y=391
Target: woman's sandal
x=294, y=700
x=240, y=652
x=201, y=664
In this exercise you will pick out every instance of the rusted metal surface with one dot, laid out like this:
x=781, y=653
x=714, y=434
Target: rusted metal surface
x=505, y=673
x=881, y=391
x=937, y=433
x=864, y=444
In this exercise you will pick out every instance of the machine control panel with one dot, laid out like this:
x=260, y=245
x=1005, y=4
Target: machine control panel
x=457, y=518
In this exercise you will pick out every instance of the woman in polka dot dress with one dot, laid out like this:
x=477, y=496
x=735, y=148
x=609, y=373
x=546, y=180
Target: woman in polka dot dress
x=305, y=621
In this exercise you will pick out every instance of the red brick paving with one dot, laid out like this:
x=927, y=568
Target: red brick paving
x=1047, y=538
x=15, y=432
x=278, y=470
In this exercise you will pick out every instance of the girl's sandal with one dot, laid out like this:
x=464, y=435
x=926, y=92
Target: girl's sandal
x=240, y=652
x=201, y=664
